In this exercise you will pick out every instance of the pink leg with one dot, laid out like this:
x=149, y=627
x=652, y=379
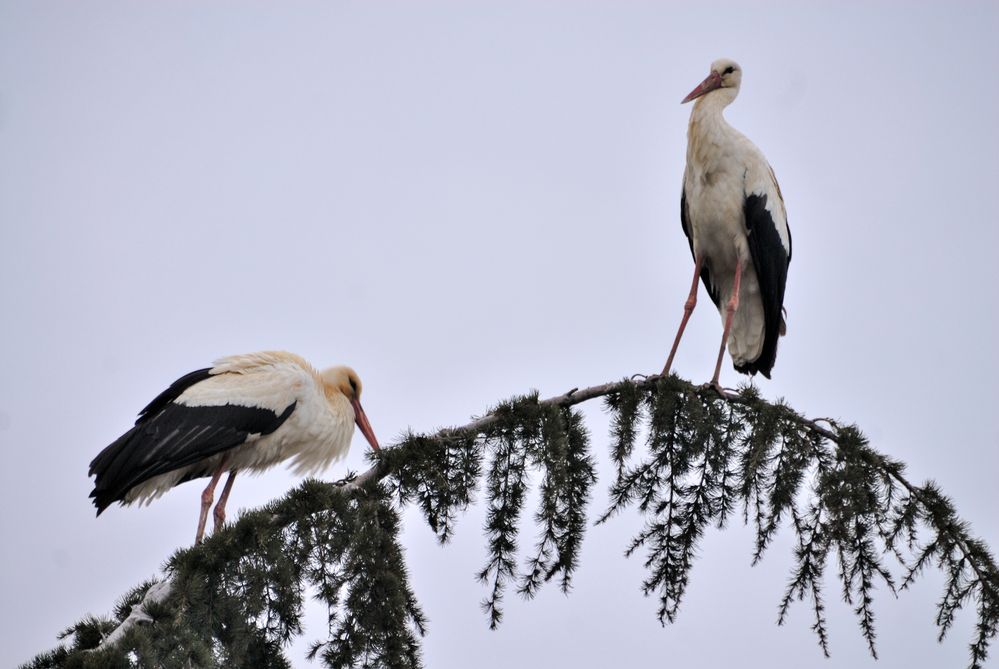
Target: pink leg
x=220, y=507
x=207, y=496
x=733, y=304
x=688, y=308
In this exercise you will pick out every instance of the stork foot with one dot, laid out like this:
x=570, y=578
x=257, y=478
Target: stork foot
x=726, y=393
x=667, y=368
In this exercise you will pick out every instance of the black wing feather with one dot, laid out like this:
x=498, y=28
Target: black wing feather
x=173, y=392
x=770, y=261
x=159, y=402
x=169, y=436
x=706, y=279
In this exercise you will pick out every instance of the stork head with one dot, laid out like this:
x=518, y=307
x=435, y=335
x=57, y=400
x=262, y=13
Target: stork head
x=344, y=380
x=725, y=77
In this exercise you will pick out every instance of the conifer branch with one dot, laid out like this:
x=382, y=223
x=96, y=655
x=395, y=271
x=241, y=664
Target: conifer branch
x=237, y=599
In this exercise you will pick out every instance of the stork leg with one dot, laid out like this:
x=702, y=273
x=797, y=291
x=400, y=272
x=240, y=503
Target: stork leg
x=208, y=495
x=220, y=507
x=688, y=308
x=733, y=304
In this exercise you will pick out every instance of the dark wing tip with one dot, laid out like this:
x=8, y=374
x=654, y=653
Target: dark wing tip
x=754, y=367
x=102, y=500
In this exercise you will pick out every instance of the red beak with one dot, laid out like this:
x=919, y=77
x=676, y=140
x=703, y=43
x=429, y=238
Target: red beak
x=712, y=82
x=362, y=422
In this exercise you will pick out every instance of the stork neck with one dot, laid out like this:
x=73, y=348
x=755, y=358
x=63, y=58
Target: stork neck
x=708, y=109
x=708, y=130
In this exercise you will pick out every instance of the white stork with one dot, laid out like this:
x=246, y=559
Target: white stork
x=247, y=413
x=733, y=215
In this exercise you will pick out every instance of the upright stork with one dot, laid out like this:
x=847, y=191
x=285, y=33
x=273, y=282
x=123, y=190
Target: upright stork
x=733, y=216
x=247, y=413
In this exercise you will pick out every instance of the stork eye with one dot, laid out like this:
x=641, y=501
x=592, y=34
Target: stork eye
x=729, y=70
x=353, y=385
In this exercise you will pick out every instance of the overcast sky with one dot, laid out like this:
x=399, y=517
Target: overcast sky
x=465, y=201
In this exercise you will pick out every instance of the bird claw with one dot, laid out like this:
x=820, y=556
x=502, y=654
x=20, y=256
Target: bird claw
x=726, y=393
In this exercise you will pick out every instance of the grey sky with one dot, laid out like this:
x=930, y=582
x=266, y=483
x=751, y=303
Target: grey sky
x=466, y=201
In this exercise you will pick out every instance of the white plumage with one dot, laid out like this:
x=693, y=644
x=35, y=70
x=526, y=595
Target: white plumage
x=246, y=413
x=733, y=214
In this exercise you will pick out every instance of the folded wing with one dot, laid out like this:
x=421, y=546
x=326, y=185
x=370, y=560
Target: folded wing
x=199, y=416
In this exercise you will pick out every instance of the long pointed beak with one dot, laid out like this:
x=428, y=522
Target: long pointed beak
x=712, y=82
x=362, y=422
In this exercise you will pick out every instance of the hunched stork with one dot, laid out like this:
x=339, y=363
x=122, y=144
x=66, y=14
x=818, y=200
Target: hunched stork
x=733, y=216
x=246, y=413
